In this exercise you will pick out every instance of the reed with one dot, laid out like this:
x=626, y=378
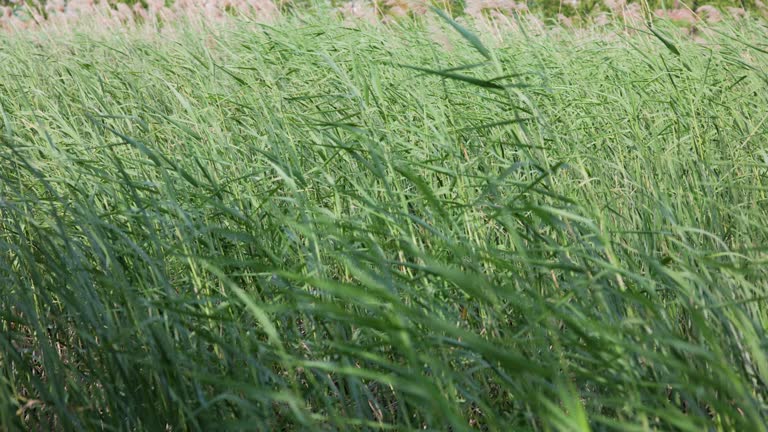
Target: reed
x=306, y=225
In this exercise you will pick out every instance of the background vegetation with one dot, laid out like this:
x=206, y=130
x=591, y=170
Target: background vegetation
x=315, y=226
x=542, y=7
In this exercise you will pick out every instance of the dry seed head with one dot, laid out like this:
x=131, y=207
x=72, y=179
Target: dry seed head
x=737, y=13
x=709, y=13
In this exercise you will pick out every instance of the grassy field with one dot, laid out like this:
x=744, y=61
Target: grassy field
x=315, y=226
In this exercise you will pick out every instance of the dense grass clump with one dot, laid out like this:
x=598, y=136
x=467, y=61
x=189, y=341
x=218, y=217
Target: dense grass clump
x=319, y=227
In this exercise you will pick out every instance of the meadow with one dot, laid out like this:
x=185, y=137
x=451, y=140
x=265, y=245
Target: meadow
x=316, y=224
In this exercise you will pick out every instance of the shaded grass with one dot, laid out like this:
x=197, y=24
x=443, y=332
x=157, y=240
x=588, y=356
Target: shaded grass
x=283, y=228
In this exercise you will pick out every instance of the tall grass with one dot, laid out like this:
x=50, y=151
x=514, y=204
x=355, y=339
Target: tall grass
x=310, y=226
